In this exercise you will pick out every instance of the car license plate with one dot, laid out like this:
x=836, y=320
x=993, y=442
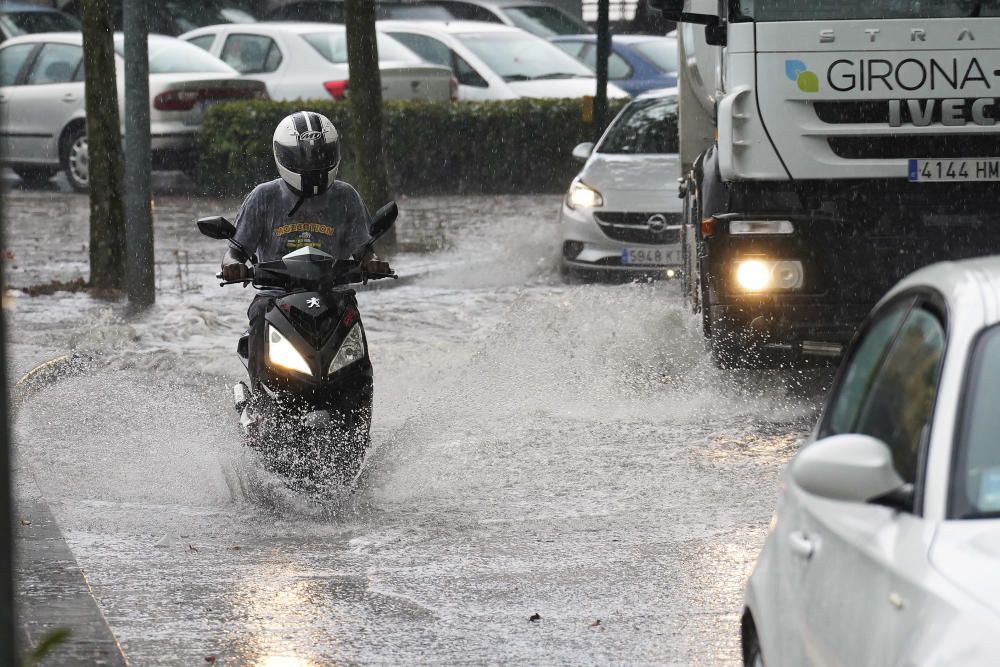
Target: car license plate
x=969, y=169
x=649, y=256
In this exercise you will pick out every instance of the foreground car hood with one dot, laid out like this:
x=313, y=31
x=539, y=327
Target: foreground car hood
x=561, y=88
x=611, y=172
x=967, y=553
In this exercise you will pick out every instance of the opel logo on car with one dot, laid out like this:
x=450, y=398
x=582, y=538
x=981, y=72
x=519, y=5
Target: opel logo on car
x=657, y=222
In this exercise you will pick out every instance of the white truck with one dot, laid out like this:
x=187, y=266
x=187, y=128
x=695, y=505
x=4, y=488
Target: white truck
x=829, y=148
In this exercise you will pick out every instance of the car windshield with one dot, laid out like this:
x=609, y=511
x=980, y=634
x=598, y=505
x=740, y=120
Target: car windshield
x=190, y=15
x=824, y=10
x=545, y=21
x=173, y=56
x=332, y=45
x=660, y=52
x=644, y=127
x=976, y=486
x=520, y=57
x=25, y=23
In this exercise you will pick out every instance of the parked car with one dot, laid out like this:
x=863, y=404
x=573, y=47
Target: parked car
x=494, y=62
x=885, y=546
x=538, y=18
x=332, y=11
x=42, y=102
x=622, y=213
x=309, y=60
x=637, y=62
x=173, y=17
x=18, y=18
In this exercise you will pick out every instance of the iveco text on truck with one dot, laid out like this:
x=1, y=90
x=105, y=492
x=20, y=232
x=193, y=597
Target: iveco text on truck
x=829, y=149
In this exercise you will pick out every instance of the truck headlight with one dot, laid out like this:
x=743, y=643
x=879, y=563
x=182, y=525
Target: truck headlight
x=281, y=353
x=351, y=350
x=582, y=195
x=762, y=275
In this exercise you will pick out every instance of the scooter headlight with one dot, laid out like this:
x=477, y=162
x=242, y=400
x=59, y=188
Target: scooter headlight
x=281, y=353
x=351, y=350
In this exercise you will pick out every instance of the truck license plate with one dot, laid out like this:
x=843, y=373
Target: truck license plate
x=649, y=256
x=970, y=169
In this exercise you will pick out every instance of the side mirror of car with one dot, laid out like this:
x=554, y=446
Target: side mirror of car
x=383, y=220
x=583, y=151
x=216, y=227
x=850, y=467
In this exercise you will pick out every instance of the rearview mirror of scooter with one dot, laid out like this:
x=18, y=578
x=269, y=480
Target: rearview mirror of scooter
x=384, y=219
x=216, y=227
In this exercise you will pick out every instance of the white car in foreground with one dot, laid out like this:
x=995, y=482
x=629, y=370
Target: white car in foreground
x=622, y=212
x=885, y=546
x=309, y=61
x=497, y=62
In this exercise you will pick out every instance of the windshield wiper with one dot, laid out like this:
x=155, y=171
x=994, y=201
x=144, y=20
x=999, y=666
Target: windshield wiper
x=558, y=75
x=516, y=77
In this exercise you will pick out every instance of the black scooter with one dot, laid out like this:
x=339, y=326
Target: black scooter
x=310, y=415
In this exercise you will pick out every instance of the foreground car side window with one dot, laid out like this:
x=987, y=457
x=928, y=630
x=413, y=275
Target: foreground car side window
x=898, y=408
x=12, y=60
x=975, y=489
x=251, y=54
x=56, y=63
x=866, y=359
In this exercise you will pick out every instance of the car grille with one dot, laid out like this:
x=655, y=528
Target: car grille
x=916, y=146
x=635, y=227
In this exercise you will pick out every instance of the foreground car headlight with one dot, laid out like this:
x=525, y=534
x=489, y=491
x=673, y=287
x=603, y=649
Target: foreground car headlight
x=762, y=275
x=581, y=195
x=351, y=350
x=281, y=353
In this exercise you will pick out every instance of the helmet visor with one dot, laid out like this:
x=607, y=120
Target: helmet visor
x=308, y=155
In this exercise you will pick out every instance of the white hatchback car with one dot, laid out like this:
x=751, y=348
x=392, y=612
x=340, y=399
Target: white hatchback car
x=309, y=61
x=497, y=62
x=42, y=106
x=885, y=546
x=622, y=212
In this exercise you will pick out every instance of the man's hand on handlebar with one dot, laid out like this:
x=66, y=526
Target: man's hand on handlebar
x=235, y=271
x=375, y=265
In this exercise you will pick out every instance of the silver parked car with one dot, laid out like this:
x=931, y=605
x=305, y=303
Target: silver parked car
x=309, y=61
x=43, y=115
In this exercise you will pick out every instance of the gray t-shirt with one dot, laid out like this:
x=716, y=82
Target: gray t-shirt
x=336, y=221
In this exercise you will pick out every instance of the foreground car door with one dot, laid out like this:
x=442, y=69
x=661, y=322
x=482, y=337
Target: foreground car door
x=887, y=391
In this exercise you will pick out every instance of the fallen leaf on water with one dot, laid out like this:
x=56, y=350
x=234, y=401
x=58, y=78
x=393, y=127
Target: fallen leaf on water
x=535, y=617
x=210, y=659
x=25, y=522
x=192, y=547
x=596, y=624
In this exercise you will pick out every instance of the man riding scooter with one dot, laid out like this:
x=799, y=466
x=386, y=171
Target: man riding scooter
x=306, y=207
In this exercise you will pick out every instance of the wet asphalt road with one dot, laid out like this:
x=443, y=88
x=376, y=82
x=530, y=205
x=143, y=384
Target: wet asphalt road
x=538, y=448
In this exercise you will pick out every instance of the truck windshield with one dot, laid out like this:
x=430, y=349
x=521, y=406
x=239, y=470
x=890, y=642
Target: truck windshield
x=824, y=10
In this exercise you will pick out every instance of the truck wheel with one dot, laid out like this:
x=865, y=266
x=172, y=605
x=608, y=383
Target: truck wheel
x=35, y=176
x=76, y=159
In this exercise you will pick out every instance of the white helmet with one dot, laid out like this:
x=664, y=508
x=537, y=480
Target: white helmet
x=307, y=152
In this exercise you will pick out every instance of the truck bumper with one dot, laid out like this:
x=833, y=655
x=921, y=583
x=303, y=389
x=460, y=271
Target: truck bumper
x=792, y=325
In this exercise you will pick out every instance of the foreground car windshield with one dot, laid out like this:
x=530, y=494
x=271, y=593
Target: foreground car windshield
x=172, y=56
x=545, y=21
x=825, y=10
x=333, y=47
x=25, y=23
x=646, y=126
x=523, y=57
x=190, y=15
x=976, y=486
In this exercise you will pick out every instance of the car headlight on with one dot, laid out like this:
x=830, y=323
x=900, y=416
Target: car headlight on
x=762, y=275
x=281, y=353
x=351, y=350
x=581, y=195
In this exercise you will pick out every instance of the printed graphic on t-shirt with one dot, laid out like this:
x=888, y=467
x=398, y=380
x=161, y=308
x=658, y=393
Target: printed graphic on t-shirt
x=305, y=235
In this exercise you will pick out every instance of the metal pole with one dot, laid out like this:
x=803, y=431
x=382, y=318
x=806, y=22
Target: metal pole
x=8, y=622
x=603, y=51
x=138, y=165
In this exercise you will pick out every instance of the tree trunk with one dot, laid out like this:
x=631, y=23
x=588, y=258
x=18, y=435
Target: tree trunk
x=104, y=146
x=365, y=99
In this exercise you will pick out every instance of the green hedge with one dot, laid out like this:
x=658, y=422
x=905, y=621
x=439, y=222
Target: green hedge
x=516, y=146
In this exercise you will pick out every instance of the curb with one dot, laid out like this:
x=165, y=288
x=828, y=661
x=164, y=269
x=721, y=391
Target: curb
x=52, y=590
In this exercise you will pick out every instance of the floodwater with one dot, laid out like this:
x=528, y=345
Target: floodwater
x=565, y=451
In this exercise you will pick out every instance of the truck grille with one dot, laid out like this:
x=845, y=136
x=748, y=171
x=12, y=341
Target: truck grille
x=890, y=147
x=877, y=111
x=636, y=227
